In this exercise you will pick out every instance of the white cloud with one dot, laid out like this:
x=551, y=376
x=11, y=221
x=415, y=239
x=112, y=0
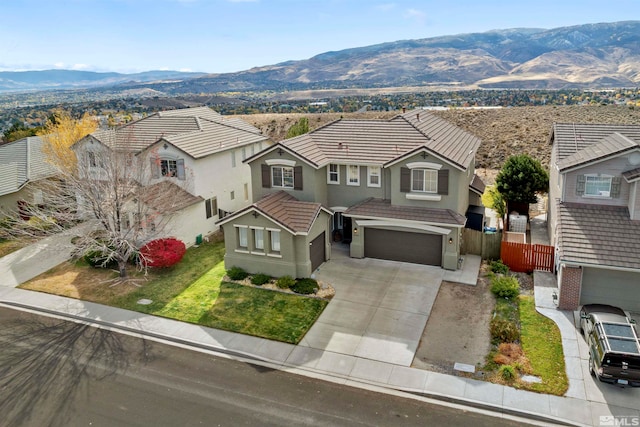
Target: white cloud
x=185, y=70
x=416, y=15
x=80, y=67
x=58, y=65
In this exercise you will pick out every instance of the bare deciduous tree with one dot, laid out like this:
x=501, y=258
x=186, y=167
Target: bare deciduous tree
x=129, y=197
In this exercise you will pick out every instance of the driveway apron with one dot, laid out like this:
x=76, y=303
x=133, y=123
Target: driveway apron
x=379, y=311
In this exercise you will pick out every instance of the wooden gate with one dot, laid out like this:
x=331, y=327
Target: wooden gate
x=478, y=243
x=524, y=257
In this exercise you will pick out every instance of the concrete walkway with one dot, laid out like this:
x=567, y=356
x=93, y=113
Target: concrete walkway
x=33, y=260
x=366, y=366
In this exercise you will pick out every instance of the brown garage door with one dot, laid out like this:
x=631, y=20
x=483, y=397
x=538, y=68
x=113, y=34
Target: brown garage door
x=316, y=251
x=418, y=248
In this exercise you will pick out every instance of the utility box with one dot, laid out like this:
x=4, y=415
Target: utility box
x=199, y=239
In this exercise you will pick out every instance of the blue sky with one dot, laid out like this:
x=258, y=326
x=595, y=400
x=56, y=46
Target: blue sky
x=219, y=36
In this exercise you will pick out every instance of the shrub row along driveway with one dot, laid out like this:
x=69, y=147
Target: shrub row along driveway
x=380, y=308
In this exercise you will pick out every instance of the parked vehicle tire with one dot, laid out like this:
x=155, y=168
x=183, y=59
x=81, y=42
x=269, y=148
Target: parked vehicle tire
x=591, y=370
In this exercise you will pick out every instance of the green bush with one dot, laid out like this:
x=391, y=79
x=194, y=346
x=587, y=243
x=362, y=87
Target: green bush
x=260, y=279
x=285, y=282
x=507, y=372
x=499, y=267
x=504, y=330
x=237, y=273
x=505, y=287
x=97, y=259
x=305, y=286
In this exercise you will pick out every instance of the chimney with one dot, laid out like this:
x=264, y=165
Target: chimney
x=418, y=116
x=404, y=110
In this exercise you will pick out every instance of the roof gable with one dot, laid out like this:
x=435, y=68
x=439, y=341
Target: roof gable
x=282, y=208
x=607, y=147
x=570, y=138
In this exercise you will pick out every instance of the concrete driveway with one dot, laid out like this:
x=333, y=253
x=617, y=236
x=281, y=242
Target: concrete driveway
x=380, y=308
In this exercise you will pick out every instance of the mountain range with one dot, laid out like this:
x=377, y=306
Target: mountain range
x=584, y=56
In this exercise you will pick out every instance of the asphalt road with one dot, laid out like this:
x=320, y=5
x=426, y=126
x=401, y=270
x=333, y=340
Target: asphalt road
x=57, y=373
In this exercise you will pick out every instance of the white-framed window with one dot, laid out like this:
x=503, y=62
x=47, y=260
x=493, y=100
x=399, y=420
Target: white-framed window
x=168, y=168
x=353, y=175
x=210, y=207
x=242, y=237
x=282, y=176
x=333, y=174
x=424, y=180
x=274, y=237
x=597, y=185
x=373, y=176
x=258, y=238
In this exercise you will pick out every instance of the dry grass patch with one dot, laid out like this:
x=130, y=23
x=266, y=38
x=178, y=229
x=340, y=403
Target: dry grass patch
x=78, y=280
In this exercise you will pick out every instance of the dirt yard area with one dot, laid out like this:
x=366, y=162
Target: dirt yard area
x=458, y=327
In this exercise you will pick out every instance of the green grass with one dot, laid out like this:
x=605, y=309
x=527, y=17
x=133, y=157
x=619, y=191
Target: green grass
x=193, y=291
x=542, y=344
x=263, y=313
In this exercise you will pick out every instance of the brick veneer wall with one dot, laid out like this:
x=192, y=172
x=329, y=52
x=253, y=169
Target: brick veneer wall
x=570, y=288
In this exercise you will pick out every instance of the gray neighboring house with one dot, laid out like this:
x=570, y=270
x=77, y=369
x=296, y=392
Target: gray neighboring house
x=395, y=189
x=594, y=213
x=22, y=163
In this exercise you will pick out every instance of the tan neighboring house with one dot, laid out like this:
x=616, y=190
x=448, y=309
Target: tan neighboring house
x=195, y=155
x=22, y=163
x=392, y=189
x=594, y=213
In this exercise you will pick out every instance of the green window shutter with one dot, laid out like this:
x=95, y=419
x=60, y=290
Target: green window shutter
x=405, y=180
x=615, y=187
x=297, y=178
x=266, y=176
x=580, y=185
x=443, y=181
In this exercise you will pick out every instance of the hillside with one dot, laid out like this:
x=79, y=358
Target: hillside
x=504, y=131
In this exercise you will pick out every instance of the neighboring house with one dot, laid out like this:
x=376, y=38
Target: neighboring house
x=594, y=213
x=195, y=154
x=396, y=189
x=22, y=163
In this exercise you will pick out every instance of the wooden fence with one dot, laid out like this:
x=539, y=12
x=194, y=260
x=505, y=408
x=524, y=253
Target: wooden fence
x=478, y=243
x=525, y=257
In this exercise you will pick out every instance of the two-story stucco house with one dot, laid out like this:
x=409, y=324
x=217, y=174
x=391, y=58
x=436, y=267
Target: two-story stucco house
x=22, y=163
x=594, y=213
x=195, y=154
x=393, y=189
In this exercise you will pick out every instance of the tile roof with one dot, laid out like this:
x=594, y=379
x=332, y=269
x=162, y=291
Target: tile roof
x=381, y=141
x=477, y=184
x=614, y=143
x=166, y=196
x=631, y=175
x=598, y=235
x=282, y=207
x=22, y=161
x=380, y=208
x=569, y=138
x=199, y=132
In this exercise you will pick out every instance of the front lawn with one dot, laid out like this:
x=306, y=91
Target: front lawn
x=191, y=291
x=8, y=246
x=542, y=344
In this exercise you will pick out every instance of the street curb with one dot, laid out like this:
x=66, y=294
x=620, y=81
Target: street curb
x=259, y=360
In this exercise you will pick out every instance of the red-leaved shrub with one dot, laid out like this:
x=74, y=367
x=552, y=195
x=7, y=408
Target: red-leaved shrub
x=162, y=253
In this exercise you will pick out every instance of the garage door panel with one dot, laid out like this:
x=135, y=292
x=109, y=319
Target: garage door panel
x=617, y=288
x=418, y=248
